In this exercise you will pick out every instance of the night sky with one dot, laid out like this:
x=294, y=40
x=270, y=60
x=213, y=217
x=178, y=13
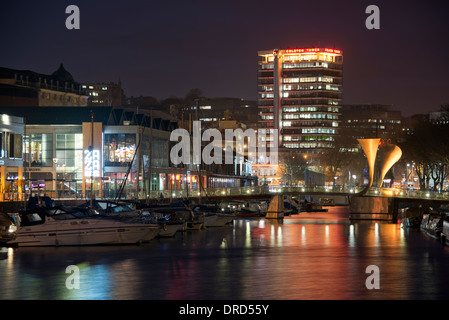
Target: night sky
x=166, y=48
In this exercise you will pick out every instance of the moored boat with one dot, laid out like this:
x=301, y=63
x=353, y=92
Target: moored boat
x=169, y=228
x=169, y=225
x=291, y=207
x=328, y=202
x=195, y=223
x=248, y=212
x=60, y=226
x=435, y=227
x=217, y=219
x=180, y=211
x=432, y=224
x=213, y=216
x=8, y=228
x=312, y=207
x=412, y=217
x=444, y=236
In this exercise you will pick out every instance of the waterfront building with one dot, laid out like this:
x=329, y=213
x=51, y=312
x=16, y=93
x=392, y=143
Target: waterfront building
x=80, y=151
x=11, y=160
x=60, y=152
x=299, y=94
x=29, y=88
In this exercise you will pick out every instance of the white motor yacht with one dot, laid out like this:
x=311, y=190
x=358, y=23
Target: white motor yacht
x=59, y=227
x=8, y=228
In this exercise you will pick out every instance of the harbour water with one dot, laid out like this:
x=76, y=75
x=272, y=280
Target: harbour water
x=311, y=256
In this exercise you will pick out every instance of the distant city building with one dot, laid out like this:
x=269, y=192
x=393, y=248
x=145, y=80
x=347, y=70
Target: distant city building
x=411, y=122
x=28, y=88
x=299, y=94
x=142, y=102
x=211, y=111
x=108, y=94
x=364, y=121
x=439, y=117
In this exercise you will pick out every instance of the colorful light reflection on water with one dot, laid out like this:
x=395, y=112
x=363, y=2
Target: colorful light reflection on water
x=305, y=256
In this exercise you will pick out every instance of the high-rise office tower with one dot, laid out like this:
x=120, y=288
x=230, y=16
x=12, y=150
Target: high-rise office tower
x=299, y=94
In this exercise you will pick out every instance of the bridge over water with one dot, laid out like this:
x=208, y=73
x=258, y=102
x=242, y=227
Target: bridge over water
x=374, y=203
x=269, y=191
x=371, y=204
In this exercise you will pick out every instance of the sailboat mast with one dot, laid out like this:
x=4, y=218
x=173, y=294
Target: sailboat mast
x=92, y=151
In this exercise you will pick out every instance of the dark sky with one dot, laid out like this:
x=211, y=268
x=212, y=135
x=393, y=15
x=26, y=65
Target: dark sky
x=165, y=48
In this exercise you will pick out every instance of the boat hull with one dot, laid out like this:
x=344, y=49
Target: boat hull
x=432, y=225
x=84, y=232
x=218, y=220
x=169, y=229
x=248, y=214
x=194, y=225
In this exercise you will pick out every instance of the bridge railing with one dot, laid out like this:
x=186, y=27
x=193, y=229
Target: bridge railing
x=258, y=191
x=267, y=190
x=251, y=190
x=407, y=193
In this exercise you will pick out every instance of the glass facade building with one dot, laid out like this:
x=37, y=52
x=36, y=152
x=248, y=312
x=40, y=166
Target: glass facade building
x=76, y=152
x=11, y=156
x=299, y=95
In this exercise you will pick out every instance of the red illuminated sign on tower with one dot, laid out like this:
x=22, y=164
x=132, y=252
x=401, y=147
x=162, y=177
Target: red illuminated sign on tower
x=309, y=50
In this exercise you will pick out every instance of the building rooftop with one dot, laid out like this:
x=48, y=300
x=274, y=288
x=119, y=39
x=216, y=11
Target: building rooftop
x=77, y=115
x=62, y=74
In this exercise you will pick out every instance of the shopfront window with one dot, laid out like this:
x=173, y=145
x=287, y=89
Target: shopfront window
x=160, y=153
x=69, y=154
x=10, y=145
x=119, y=149
x=38, y=150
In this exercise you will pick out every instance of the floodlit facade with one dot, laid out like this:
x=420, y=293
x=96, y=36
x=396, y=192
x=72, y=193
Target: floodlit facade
x=299, y=94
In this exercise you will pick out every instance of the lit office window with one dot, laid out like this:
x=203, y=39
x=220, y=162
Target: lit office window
x=291, y=80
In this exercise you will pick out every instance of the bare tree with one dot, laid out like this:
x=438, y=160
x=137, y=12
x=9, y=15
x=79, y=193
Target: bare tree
x=292, y=166
x=428, y=148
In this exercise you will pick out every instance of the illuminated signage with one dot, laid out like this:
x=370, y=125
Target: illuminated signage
x=308, y=50
x=332, y=50
x=92, y=163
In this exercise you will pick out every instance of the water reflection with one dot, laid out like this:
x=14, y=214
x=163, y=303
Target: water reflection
x=305, y=256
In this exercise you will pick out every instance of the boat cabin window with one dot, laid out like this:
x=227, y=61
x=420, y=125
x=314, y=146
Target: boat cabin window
x=118, y=209
x=69, y=216
x=31, y=219
x=114, y=208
